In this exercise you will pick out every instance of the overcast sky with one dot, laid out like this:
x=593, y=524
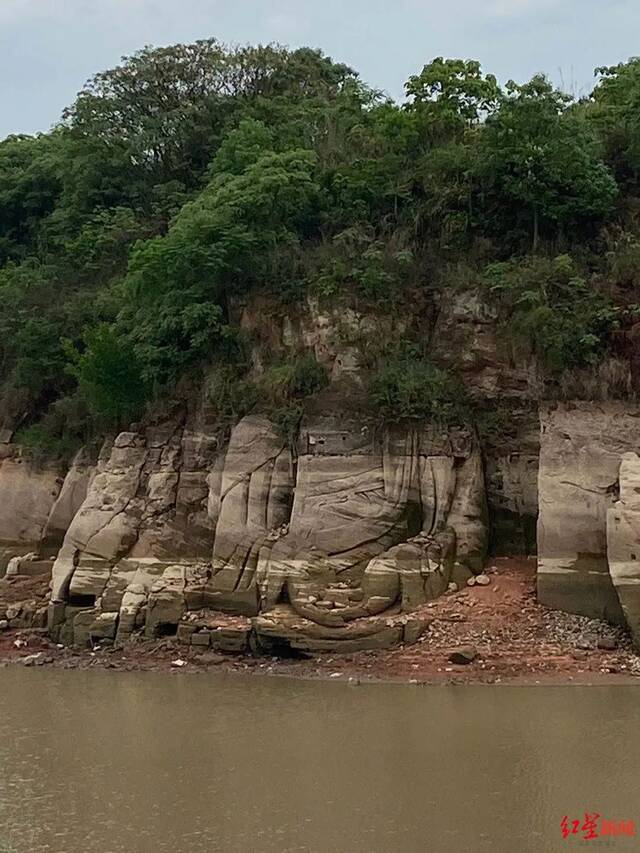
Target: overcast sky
x=48, y=48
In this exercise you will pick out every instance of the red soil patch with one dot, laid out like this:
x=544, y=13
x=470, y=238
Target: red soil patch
x=516, y=640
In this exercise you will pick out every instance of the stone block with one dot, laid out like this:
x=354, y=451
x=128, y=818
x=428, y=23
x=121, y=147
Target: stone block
x=185, y=632
x=230, y=639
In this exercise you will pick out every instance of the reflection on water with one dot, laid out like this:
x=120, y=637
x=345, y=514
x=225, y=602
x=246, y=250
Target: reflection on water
x=105, y=762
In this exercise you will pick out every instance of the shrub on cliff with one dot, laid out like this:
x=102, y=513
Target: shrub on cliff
x=550, y=311
x=406, y=387
x=293, y=379
x=279, y=392
x=109, y=376
x=230, y=392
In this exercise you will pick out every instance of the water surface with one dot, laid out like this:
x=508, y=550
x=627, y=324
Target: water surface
x=106, y=762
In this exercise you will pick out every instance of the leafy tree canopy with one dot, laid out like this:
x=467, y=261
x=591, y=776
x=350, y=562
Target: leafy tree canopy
x=189, y=175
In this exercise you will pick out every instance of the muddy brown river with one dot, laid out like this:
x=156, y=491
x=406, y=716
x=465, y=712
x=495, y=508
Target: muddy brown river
x=100, y=762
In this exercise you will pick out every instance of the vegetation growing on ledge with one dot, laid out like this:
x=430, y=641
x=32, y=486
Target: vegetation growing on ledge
x=191, y=174
x=279, y=392
x=409, y=386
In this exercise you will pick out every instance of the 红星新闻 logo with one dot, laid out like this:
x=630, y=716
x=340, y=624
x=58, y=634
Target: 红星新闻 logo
x=595, y=826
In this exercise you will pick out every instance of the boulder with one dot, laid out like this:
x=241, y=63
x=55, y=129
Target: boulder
x=91, y=626
x=463, y=656
x=166, y=604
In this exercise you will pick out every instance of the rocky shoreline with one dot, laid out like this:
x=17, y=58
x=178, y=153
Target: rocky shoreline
x=499, y=629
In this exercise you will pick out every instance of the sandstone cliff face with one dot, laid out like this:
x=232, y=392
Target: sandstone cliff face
x=582, y=448
x=28, y=494
x=322, y=544
x=462, y=334
x=147, y=506
x=623, y=542
x=333, y=542
x=70, y=498
x=466, y=338
x=335, y=539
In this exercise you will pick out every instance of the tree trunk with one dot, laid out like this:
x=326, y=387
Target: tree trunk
x=536, y=230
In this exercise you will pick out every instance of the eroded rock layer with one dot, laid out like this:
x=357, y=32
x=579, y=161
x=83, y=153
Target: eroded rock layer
x=585, y=524
x=28, y=496
x=333, y=541
x=623, y=542
x=325, y=544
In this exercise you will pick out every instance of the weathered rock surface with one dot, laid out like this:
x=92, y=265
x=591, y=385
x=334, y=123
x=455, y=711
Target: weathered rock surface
x=511, y=465
x=466, y=338
x=144, y=522
x=320, y=545
x=329, y=544
x=70, y=498
x=623, y=542
x=376, y=525
x=27, y=494
x=320, y=542
x=582, y=447
x=255, y=498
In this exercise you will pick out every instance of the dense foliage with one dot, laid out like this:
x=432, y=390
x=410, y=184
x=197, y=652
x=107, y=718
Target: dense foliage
x=191, y=174
x=411, y=387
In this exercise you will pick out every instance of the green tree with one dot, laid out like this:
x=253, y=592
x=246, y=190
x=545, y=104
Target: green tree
x=109, y=375
x=540, y=166
x=452, y=95
x=178, y=286
x=615, y=112
x=451, y=98
x=29, y=189
x=160, y=104
x=169, y=106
